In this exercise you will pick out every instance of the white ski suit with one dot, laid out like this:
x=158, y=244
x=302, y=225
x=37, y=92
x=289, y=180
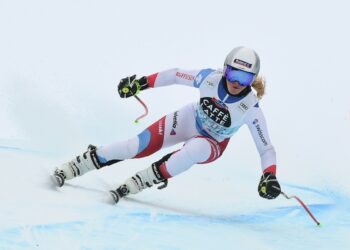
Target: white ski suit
x=205, y=127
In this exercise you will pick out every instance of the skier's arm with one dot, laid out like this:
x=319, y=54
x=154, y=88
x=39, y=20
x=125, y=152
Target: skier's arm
x=173, y=76
x=130, y=86
x=257, y=125
x=268, y=187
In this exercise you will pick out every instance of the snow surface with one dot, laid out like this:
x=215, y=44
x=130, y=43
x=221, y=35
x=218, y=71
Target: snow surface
x=60, y=62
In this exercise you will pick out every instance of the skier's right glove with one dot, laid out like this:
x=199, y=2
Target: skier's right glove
x=269, y=188
x=130, y=86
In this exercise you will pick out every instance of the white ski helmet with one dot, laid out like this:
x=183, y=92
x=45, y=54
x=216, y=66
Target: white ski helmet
x=244, y=59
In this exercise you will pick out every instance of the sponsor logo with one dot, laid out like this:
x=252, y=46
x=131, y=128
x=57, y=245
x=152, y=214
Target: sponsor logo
x=176, y=114
x=173, y=132
x=260, y=132
x=243, y=106
x=216, y=110
x=185, y=76
x=210, y=84
x=219, y=103
x=243, y=63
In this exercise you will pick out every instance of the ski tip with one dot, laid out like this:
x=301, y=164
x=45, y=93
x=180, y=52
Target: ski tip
x=115, y=196
x=57, y=180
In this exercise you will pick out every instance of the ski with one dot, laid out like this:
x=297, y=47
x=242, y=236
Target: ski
x=114, y=195
x=57, y=179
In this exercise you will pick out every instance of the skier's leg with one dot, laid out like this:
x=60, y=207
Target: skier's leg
x=143, y=179
x=169, y=130
x=199, y=150
x=78, y=166
x=148, y=142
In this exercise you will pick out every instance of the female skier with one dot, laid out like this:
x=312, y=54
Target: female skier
x=226, y=102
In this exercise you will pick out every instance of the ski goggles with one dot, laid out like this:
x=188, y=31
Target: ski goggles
x=236, y=75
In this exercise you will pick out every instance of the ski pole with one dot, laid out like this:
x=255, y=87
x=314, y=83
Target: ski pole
x=144, y=105
x=303, y=205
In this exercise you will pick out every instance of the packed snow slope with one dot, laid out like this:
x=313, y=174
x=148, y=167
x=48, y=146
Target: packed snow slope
x=200, y=210
x=60, y=63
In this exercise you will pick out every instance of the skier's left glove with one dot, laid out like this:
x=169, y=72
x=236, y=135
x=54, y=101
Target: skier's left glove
x=269, y=188
x=130, y=86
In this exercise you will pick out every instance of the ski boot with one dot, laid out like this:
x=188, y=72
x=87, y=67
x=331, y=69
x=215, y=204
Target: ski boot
x=141, y=180
x=77, y=167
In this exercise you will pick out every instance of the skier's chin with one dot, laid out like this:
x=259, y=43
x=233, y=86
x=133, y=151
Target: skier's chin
x=234, y=88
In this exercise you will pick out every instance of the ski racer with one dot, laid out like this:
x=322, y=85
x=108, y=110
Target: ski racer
x=229, y=98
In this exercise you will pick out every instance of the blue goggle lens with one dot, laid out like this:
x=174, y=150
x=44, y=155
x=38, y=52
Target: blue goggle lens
x=240, y=76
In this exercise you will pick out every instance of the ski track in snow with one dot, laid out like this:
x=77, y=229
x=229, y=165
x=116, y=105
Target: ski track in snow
x=99, y=224
x=118, y=230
